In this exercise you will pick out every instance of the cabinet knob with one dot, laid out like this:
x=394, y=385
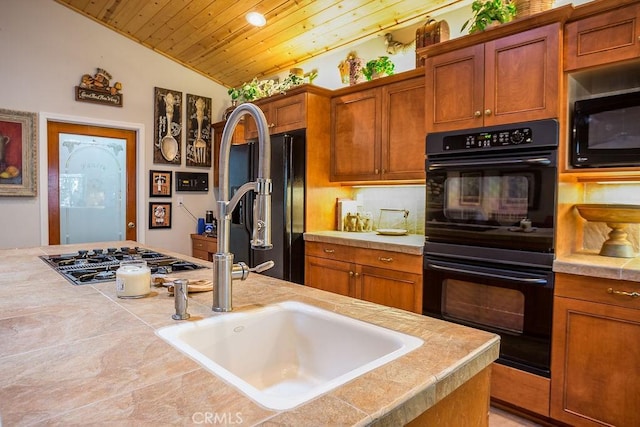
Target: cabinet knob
x=487, y=112
x=351, y=274
x=376, y=171
x=357, y=274
x=272, y=125
x=477, y=113
x=329, y=251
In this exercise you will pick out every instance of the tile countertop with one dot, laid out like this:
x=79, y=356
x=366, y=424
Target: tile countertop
x=409, y=244
x=79, y=355
x=589, y=263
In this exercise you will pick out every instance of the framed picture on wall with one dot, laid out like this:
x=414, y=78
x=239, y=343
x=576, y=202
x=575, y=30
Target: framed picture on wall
x=18, y=153
x=198, y=148
x=159, y=215
x=159, y=183
x=168, y=126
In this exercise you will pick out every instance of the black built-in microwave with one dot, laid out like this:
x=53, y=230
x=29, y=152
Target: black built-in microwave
x=606, y=131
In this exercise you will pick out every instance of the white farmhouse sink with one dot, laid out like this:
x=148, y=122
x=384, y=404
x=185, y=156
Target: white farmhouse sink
x=285, y=354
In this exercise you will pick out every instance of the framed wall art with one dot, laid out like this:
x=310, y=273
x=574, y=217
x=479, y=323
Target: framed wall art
x=18, y=153
x=159, y=215
x=168, y=126
x=198, y=148
x=159, y=183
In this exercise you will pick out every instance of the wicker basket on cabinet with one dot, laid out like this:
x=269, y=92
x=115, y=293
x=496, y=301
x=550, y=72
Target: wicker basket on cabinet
x=529, y=7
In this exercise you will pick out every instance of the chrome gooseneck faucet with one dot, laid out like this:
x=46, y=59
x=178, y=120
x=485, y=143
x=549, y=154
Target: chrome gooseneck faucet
x=224, y=270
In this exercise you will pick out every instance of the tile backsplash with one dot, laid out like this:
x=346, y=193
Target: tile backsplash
x=410, y=197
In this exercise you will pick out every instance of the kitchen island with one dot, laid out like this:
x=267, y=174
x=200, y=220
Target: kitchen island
x=79, y=355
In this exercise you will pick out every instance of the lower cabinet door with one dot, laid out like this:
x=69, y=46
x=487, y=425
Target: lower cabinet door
x=595, y=360
x=329, y=275
x=391, y=288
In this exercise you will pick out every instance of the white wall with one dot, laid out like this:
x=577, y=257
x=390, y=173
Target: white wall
x=45, y=49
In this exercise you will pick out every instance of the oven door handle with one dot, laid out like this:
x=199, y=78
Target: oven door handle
x=532, y=161
x=528, y=281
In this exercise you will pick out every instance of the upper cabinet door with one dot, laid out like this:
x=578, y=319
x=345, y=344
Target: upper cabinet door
x=522, y=76
x=454, y=89
x=403, y=130
x=355, y=136
x=507, y=80
x=603, y=39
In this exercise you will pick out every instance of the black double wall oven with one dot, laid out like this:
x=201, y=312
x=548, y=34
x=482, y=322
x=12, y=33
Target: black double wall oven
x=489, y=235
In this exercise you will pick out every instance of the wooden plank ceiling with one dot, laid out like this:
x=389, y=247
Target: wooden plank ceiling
x=213, y=37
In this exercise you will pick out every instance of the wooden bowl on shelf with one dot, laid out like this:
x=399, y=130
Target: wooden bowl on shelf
x=616, y=216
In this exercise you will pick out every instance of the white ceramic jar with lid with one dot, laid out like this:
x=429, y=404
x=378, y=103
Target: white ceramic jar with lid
x=133, y=279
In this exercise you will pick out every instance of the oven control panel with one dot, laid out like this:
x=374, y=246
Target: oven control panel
x=501, y=138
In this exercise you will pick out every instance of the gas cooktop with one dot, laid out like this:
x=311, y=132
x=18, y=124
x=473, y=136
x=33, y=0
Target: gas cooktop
x=100, y=265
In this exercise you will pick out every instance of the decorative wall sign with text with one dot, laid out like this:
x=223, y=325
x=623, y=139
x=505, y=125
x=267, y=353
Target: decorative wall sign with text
x=99, y=90
x=198, y=149
x=168, y=126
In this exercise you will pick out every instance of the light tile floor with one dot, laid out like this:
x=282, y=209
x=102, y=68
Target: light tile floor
x=500, y=418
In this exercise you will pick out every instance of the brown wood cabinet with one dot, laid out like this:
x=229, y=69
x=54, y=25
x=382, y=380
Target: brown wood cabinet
x=510, y=79
x=595, y=352
x=377, y=133
x=203, y=247
x=604, y=38
x=283, y=114
x=384, y=277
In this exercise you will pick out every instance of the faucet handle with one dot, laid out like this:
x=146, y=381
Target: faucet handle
x=262, y=267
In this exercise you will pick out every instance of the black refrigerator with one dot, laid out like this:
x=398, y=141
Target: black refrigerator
x=287, y=205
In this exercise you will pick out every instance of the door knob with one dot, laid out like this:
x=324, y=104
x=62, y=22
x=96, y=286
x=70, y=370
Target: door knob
x=131, y=224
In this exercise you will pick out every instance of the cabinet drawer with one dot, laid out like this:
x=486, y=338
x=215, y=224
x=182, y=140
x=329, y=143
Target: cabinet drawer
x=330, y=251
x=389, y=260
x=199, y=245
x=197, y=253
x=595, y=289
x=602, y=39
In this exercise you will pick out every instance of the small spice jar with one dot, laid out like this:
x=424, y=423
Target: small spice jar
x=133, y=279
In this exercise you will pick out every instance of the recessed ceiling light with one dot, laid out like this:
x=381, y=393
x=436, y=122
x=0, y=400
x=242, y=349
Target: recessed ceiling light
x=257, y=19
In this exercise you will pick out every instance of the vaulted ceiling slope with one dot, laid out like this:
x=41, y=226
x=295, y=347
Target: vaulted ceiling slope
x=212, y=37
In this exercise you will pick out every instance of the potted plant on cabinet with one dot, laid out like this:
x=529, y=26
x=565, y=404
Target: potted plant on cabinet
x=382, y=66
x=488, y=12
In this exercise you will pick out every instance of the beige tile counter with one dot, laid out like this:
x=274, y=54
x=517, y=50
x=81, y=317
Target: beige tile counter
x=409, y=244
x=589, y=263
x=79, y=355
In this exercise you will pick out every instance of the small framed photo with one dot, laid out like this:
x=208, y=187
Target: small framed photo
x=159, y=183
x=159, y=215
